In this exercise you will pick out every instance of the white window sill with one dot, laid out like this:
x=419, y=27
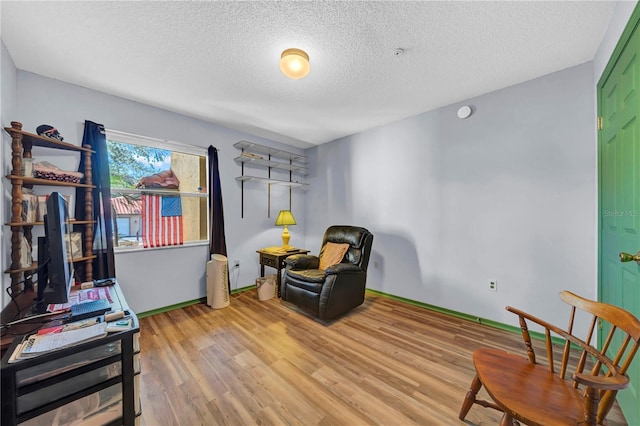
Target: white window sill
x=122, y=250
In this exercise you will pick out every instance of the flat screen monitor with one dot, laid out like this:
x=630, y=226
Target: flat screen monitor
x=55, y=275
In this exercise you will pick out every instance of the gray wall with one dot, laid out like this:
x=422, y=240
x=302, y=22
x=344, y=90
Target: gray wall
x=507, y=194
x=157, y=278
x=7, y=110
x=7, y=86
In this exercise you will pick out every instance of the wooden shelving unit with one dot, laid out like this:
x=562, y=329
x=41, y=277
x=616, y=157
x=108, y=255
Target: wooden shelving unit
x=21, y=146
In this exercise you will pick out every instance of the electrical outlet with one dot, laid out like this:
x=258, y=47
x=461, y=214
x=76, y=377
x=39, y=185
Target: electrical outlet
x=493, y=285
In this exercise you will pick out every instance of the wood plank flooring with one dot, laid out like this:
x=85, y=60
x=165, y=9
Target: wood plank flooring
x=265, y=363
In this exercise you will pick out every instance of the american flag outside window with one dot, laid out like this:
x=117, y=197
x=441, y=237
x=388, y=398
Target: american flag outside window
x=161, y=220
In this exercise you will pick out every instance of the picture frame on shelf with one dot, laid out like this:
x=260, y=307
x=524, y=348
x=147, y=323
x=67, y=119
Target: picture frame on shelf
x=27, y=167
x=29, y=206
x=73, y=241
x=26, y=257
x=41, y=208
x=68, y=198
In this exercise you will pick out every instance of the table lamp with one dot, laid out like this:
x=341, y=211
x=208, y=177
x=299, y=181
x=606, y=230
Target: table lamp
x=285, y=217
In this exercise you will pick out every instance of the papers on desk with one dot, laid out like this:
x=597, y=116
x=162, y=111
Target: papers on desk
x=36, y=345
x=81, y=296
x=69, y=326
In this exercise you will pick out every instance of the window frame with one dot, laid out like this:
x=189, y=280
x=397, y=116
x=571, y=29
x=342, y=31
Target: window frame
x=173, y=146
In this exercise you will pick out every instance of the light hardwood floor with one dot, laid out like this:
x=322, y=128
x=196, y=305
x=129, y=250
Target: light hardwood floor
x=386, y=362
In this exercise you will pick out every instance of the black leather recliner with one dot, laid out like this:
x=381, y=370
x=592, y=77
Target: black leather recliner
x=328, y=293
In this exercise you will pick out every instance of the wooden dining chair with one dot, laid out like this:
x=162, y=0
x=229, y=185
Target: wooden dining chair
x=540, y=393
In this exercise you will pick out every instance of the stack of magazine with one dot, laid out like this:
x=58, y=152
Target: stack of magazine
x=280, y=250
x=64, y=337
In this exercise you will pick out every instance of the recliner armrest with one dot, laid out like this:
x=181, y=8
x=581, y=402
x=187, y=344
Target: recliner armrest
x=342, y=267
x=302, y=261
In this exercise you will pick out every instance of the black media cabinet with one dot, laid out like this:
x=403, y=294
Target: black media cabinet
x=96, y=381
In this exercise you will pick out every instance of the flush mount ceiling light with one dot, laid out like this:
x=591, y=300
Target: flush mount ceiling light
x=294, y=63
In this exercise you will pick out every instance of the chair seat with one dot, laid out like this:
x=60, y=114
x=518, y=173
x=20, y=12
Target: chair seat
x=514, y=383
x=309, y=275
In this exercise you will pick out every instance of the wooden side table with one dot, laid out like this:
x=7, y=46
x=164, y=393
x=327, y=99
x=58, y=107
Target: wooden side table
x=276, y=260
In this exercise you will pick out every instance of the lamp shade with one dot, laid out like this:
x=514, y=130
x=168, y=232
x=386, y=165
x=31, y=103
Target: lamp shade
x=294, y=63
x=285, y=217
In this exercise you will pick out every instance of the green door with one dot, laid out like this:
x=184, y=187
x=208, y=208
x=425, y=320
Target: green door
x=619, y=189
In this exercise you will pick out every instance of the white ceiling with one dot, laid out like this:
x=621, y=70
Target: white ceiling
x=218, y=61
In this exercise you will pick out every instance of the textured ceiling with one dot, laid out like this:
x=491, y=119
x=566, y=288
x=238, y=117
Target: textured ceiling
x=218, y=61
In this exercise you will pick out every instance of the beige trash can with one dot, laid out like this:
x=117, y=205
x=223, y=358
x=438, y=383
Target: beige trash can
x=217, y=282
x=266, y=287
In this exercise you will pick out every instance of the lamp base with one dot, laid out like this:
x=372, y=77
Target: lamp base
x=285, y=238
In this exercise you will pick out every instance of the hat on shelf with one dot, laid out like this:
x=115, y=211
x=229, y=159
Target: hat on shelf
x=49, y=131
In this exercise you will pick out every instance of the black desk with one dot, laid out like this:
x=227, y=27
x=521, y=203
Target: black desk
x=76, y=381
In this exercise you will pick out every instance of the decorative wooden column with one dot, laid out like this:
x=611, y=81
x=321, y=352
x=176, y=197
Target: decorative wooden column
x=16, y=206
x=88, y=212
x=26, y=229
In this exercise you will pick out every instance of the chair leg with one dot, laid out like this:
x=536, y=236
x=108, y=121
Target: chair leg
x=470, y=398
x=507, y=420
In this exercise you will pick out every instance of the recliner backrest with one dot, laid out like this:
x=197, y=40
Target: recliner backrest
x=358, y=238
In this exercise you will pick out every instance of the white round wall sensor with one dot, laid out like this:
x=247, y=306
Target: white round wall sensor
x=464, y=112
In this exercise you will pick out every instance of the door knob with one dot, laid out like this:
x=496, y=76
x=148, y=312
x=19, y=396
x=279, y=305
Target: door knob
x=626, y=257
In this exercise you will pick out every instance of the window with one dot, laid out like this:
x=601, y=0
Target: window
x=123, y=225
x=158, y=192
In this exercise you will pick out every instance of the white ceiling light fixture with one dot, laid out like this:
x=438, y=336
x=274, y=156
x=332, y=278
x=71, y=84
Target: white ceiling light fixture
x=294, y=63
